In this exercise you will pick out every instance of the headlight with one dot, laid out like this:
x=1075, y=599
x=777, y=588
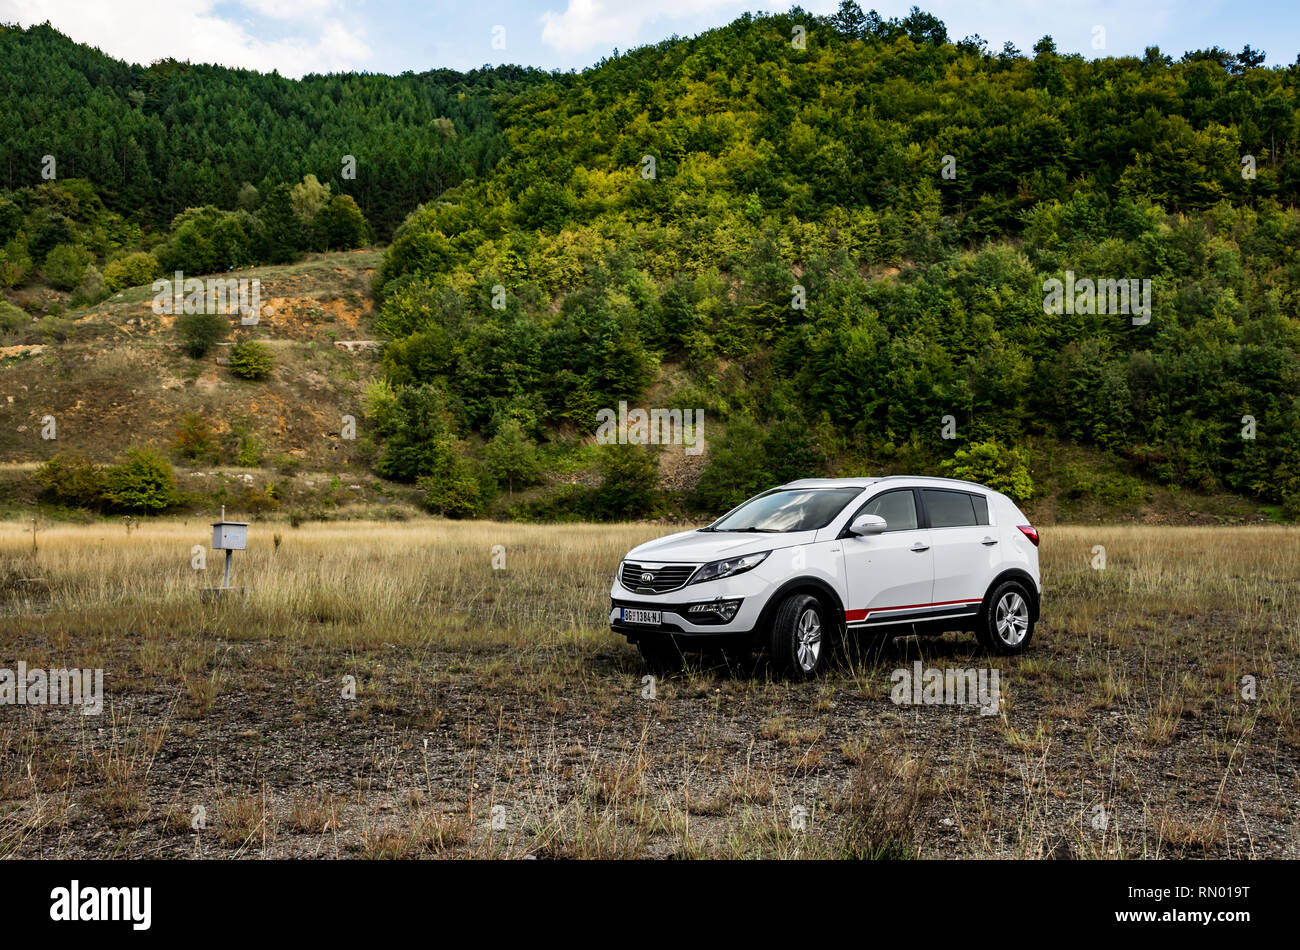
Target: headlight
x=732, y=566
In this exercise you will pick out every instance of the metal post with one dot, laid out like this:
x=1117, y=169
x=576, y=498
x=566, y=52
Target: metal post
x=228, y=553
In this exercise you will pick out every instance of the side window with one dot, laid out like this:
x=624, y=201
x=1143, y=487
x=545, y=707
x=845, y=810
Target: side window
x=897, y=507
x=951, y=509
x=981, y=509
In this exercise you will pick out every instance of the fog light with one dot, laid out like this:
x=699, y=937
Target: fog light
x=714, y=611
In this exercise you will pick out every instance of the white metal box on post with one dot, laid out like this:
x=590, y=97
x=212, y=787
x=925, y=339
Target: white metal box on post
x=228, y=536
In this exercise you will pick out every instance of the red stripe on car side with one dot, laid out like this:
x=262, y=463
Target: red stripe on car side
x=863, y=613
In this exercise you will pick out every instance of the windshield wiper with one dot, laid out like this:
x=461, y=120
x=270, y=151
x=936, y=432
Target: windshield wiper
x=759, y=530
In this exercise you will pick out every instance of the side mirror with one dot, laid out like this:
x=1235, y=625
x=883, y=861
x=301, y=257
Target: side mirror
x=868, y=524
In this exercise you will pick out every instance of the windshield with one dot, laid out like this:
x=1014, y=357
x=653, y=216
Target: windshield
x=790, y=509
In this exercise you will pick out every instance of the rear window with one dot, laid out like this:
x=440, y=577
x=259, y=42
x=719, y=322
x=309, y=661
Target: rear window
x=955, y=509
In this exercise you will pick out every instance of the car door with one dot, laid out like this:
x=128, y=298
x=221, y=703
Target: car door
x=965, y=547
x=889, y=576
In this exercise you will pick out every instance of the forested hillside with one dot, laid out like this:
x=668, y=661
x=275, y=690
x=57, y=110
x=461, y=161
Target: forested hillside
x=784, y=175
x=157, y=140
x=836, y=236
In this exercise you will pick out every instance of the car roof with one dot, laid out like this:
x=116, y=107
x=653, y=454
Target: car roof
x=934, y=480
x=830, y=483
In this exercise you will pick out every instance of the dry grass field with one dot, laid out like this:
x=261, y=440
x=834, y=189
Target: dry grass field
x=384, y=692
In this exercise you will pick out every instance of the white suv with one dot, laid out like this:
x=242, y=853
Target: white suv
x=799, y=566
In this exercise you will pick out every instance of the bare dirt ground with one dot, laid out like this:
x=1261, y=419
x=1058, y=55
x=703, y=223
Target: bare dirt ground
x=384, y=692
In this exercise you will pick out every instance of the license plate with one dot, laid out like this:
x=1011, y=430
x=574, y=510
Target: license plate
x=633, y=615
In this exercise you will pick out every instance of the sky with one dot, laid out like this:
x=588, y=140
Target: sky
x=392, y=36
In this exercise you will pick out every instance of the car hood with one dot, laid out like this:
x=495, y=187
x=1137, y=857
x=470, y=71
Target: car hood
x=701, y=546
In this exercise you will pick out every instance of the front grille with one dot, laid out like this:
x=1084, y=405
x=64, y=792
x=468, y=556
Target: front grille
x=661, y=579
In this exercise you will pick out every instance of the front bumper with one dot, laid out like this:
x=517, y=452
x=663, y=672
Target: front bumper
x=676, y=618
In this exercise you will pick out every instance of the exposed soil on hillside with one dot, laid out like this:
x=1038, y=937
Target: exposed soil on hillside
x=121, y=378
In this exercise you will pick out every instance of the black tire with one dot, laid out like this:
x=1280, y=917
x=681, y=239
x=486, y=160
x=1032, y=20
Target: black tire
x=1006, y=620
x=800, y=642
x=660, y=654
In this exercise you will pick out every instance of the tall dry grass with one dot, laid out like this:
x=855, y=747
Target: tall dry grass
x=412, y=582
x=433, y=582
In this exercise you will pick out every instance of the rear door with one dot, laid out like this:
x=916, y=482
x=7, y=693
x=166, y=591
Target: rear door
x=965, y=547
x=889, y=575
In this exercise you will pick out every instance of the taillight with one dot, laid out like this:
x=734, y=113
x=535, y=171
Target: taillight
x=1030, y=532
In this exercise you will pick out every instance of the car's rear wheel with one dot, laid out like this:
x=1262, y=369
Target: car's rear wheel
x=660, y=654
x=1006, y=621
x=800, y=639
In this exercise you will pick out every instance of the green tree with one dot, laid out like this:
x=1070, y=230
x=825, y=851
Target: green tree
x=339, y=225
x=142, y=482
x=308, y=197
x=252, y=360
x=280, y=231
x=421, y=434
x=512, y=457
x=199, y=332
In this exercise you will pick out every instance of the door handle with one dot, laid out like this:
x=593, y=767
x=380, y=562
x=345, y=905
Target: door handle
x=919, y=547
x=988, y=540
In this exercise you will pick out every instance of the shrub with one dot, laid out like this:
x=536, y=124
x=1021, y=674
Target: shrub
x=1291, y=507
x=54, y=327
x=71, y=479
x=12, y=318
x=792, y=451
x=737, y=468
x=562, y=503
x=131, y=271
x=91, y=290
x=456, y=490
x=994, y=466
x=250, y=451
x=629, y=476
x=206, y=240
x=380, y=401
x=199, y=331
x=14, y=262
x=251, y=360
x=142, y=482
x=65, y=265
x=194, y=439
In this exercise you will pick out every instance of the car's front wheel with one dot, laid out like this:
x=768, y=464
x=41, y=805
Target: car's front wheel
x=1006, y=622
x=801, y=638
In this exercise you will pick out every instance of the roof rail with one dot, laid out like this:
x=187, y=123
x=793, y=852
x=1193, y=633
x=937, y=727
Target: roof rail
x=938, y=478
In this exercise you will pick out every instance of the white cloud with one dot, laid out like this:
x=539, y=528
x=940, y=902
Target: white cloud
x=601, y=23
x=134, y=31
x=289, y=9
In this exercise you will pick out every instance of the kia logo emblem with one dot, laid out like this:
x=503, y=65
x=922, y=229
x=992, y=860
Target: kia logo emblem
x=647, y=577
